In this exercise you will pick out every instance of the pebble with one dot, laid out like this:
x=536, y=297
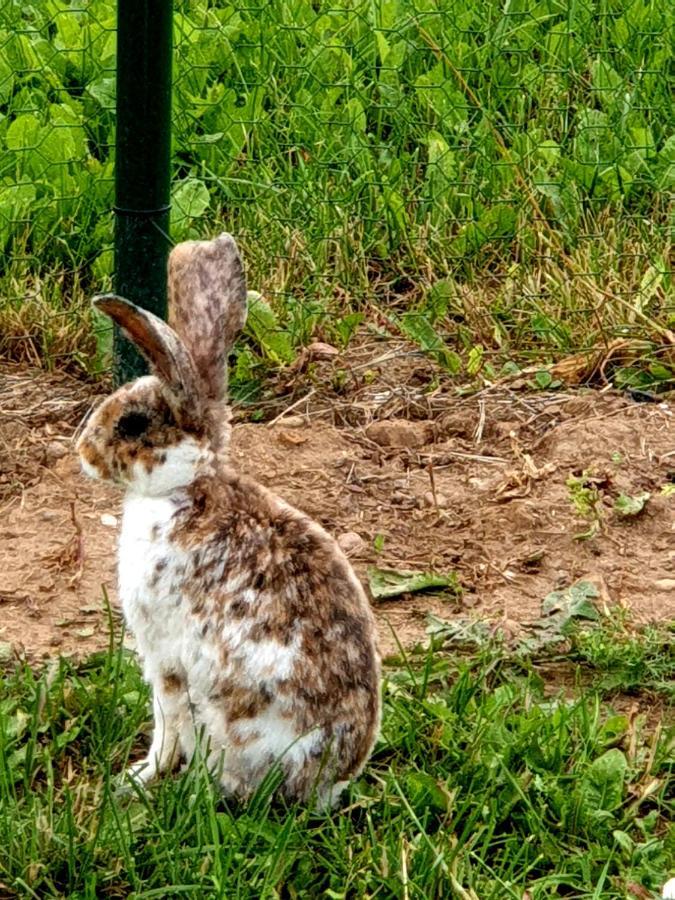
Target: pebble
x=441, y=500
x=55, y=450
x=350, y=542
x=401, y=433
x=665, y=584
x=293, y=421
x=320, y=350
x=401, y=498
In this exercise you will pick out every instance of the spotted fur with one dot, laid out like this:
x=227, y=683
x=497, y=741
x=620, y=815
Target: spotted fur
x=254, y=631
x=201, y=273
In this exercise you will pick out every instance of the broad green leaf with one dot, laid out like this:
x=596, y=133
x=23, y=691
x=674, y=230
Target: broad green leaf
x=642, y=140
x=665, y=166
x=560, y=610
x=382, y=46
x=575, y=602
x=19, y=51
x=418, y=328
x=103, y=91
x=602, y=786
x=549, y=151
x=618, y=181
x=439, y=296
x=436, y=90
x=16, y=201
x=606, y=81
x=347, y=326
x=495, y=224
x=475, y=361
x=190, y=199
x=460, y=632
x=423, y=791
x=262, y=322
x=356, y=116
x=395, y=206
x=628, y=506
x=385, y=583
x=60, y=145
x=69, y=37
x=103, y=335
x=624, y=841
x=6, y=79
x=23, y=133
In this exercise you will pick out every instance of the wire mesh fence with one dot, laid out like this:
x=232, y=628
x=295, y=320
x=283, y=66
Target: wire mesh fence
x=492, y=179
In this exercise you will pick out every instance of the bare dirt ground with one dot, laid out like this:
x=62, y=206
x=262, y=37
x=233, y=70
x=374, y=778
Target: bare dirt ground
x=385, y=452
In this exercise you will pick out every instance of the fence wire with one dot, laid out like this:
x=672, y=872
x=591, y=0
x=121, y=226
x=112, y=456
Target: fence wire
x=491, y=178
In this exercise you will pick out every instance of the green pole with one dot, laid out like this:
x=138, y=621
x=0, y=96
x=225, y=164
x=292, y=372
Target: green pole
x=142, y=164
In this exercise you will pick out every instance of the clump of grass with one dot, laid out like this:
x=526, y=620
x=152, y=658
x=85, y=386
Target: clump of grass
x=46, y=320
x=481, y=787
x=627, y=660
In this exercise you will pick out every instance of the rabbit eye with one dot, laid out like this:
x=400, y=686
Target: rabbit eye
x=133, y=425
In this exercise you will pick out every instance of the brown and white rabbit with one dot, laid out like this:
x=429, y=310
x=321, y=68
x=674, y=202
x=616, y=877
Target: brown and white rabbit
x=254, y=631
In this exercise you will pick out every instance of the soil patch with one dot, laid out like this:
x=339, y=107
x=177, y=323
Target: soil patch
x=411, y=476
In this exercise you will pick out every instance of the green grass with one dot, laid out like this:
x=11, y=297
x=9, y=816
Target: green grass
x=484, y=785
x=493, y=175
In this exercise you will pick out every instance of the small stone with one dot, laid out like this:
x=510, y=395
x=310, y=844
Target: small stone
x=109, y=520
x=401, y=433
x=320, y=350
x=505, y=429
x=55, y=450
x=401, y=498
x=665, y=584
x=483, y=484
x=292, y=439
x=350, y=542
x=440, y=500
x=293, y=422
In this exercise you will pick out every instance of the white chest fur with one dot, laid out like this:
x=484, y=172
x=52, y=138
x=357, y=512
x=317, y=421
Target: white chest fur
x=148, y=584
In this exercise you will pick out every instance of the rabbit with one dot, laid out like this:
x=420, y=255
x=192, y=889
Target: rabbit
x=254, y=632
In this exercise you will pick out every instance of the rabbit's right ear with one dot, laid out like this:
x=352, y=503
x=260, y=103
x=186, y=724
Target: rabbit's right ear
x=207, y=305
x=164, y=351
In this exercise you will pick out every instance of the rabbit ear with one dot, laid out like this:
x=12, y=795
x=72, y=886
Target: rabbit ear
x=207, y=305
x=162, y=348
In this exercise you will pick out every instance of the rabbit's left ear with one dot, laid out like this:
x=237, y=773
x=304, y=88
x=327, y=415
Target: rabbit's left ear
x=169, y=359
x=207, y=305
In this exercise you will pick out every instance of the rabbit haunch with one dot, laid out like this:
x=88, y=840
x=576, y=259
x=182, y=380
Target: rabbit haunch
x=251, y=624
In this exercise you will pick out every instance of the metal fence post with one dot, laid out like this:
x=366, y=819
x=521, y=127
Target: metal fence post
x=142, y=164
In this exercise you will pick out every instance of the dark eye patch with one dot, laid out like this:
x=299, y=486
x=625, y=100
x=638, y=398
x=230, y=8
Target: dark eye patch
x=133, y=425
